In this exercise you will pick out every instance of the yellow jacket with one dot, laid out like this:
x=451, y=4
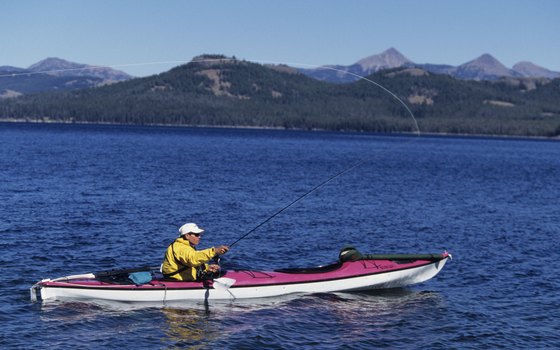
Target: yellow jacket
x=180, y=253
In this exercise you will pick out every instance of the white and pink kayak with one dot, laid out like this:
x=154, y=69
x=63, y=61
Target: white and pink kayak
x=353, y=272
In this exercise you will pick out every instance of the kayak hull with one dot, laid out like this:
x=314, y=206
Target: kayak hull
x=246, y=284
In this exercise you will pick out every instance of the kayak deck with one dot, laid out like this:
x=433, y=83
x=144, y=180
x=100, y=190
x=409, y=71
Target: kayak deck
x=351, y=275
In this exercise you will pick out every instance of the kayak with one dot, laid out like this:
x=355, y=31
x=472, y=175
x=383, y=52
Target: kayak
x=352, y=272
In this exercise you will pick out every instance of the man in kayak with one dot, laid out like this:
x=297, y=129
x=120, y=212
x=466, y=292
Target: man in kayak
x=183, y=262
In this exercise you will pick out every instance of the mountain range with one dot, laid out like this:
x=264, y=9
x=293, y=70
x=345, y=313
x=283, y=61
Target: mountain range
x=55, y=74
x=485, y=67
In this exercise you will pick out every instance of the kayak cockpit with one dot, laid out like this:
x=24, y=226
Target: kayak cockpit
x=316, y=269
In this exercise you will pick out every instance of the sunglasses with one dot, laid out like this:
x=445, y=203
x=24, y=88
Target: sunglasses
x=195, y=234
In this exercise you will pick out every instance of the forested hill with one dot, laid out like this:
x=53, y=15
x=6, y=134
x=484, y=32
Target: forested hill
x=239, y=93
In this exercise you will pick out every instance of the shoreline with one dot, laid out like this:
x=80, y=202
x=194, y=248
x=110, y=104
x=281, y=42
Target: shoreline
x=419, y=134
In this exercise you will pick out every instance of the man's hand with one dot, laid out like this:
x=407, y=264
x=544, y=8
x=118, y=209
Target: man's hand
x=213, y=268
x=221, y=249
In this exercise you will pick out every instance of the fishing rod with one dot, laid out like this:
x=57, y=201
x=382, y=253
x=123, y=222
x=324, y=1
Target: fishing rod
x=299, y=199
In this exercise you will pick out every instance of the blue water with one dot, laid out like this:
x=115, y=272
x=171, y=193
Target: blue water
x=76, y=199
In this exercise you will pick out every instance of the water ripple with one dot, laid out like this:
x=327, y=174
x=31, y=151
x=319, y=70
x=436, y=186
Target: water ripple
x=77, y=199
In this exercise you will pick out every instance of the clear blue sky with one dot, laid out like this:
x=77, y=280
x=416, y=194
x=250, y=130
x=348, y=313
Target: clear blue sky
x=314, y=32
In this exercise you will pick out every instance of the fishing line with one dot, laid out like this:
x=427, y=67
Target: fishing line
x=352, y=167
x=225, y=59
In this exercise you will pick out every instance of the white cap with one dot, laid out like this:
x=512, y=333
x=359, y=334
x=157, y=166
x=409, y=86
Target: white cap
x=189, y=228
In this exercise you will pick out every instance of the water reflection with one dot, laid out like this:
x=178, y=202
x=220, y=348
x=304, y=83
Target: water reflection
x=189, y=327
x=71, y=312
x=201, y=324
x=377, y=307
x=339, y=317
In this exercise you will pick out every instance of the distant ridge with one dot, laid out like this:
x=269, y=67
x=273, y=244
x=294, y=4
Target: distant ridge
x=388, y=59
x=60, y=75
x=528, y=69
x=59, y=67
x=485, y=67
x=56, y=74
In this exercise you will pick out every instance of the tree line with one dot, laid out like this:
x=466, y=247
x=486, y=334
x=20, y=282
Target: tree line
x=238, y=93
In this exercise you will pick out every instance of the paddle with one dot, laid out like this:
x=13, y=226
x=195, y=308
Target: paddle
x=223, y=283
x=75, y=277
x=105, y=273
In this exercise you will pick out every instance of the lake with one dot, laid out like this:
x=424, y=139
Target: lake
x=82, y=198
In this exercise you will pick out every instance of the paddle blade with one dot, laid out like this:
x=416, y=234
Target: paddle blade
x=223, y=283
x=74, y=277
